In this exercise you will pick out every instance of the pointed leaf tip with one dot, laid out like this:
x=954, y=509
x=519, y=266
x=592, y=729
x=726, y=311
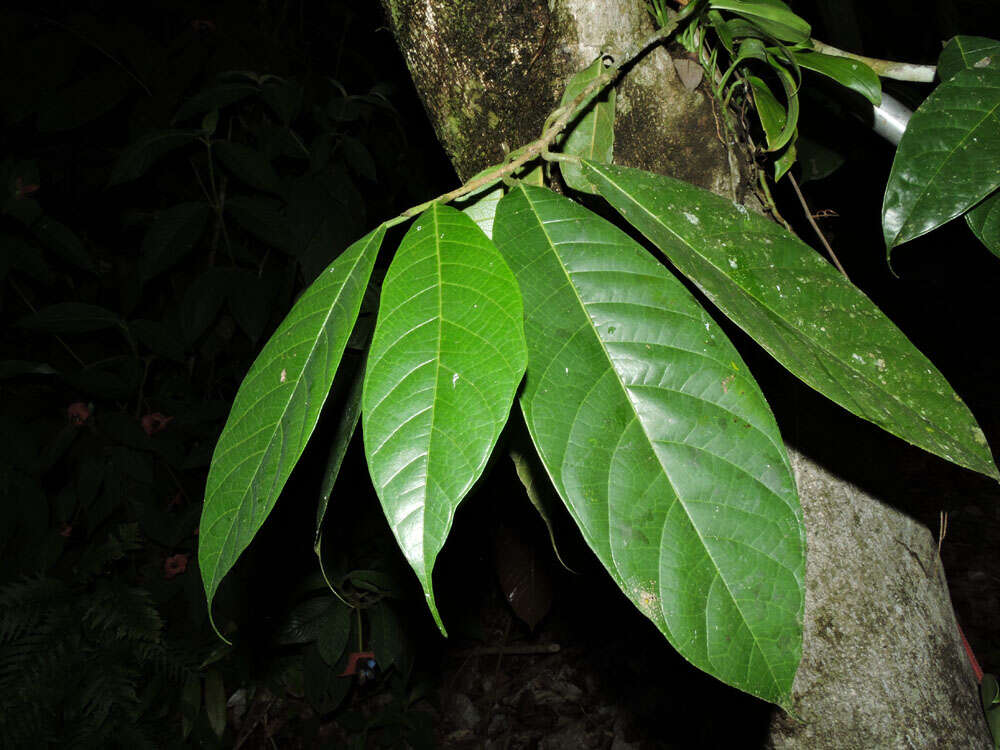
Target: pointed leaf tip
x=446, y=358
x=276, y=409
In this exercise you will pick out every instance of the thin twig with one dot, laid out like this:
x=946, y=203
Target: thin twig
x=899, y=71
x=815, y=226
x=560, y=118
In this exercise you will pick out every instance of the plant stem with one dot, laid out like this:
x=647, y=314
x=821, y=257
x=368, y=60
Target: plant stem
x=560, y=118
x=899, y=71
x=815, y=226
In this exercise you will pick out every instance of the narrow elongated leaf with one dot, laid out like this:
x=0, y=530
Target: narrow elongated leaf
x=948, y=158
x=772, y=115
x=138, y=157
x=773, y=16
x=968, y=53
x=984, y=221
x=659, y=442
x=591, y=135
x=805, y=314
x=71, y=317
x=848, y=73
x=445, y=360
x=276, y=409
x=174, y=232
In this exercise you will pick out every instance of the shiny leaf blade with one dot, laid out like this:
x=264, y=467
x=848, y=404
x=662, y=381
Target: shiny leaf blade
x=591, y=135
x=984, y=221
x=773, y=16
x=968, y=53
x=948, y=158
x=445, y=361
x=659, y=442
x=276, y=410
x=805, y=314
x=847, y=72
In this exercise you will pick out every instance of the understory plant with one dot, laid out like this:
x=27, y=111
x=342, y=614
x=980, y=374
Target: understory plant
x=646, y=419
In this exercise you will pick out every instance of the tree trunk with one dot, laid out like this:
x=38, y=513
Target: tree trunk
x=883, y=665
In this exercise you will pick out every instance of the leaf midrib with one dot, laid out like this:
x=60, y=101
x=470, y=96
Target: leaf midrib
x=801, y=336
x=284, y=411
x=650, y=443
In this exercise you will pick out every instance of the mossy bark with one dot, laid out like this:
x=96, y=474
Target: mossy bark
x=882, y=665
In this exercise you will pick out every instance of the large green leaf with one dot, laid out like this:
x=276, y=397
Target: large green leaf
x=659, y=442
x=805, y=314
x=850, y=73
x=276, y=409
x=139, y=156
x=947, y=159
x=592, y=134
x=984, y=221
x=772, y=16
x=447, y=355
x=968, y=53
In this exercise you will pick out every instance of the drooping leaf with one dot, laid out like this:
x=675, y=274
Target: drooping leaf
x=802, y=311
x=334, y=632
x=968, y=53
x=216, y=97
x=769, y=110
x=592, y=134
x=346, y=425
x=62, y=241
x=445, y=360
x=263, y=218
x=773, y=16
x=523, y=574
x=173, y=234
x=137, y=158
x=849, y=73
x=71, y=317
x=659, y=442
x=276, y=410
x=249, y=165
x=984, y=221
x=215, y=702
x=947, y=159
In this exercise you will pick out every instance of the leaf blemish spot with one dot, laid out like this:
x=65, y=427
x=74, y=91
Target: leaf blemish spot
x=284, y=375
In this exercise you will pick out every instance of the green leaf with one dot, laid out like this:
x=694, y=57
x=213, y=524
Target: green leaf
x=12, y=368
x=659, y=442
x=346, y=425
x=263, y=218
x=772, y=115
x=772, y=16
x=802, y=311
x=592, y=134
x=481, y=207
x=61, y=240
x=173, y=234
x=386, y=640
x=947, y=159
x=133, y=162
x=847, y=72
x=984, y=221
x=276, y=410
x=334, y=632
x=215, y=702
x=968, y=53
x=445, y=360
x=71, y=317
x=215, y=97
x=248, y=165
x=818, y=161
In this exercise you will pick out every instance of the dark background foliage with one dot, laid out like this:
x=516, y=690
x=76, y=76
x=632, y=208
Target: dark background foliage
x=173, y=175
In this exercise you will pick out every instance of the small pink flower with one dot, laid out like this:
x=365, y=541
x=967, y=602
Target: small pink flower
x=78, y=413
x=174, y=565
x=155, y=422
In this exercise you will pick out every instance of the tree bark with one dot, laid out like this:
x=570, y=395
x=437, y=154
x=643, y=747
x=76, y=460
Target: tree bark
x=883, y=665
